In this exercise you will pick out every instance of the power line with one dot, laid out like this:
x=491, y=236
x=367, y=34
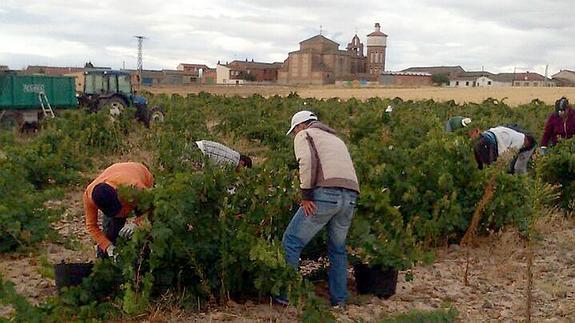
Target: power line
x=139, y=63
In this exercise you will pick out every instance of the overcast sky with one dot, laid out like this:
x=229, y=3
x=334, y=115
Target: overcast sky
x=498, y=35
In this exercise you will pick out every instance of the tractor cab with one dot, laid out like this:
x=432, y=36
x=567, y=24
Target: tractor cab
x=106, y=88
x=106, y=82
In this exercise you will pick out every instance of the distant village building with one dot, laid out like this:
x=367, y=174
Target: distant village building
x=162, y=77
x=57, y=70
x=76, y=72
x=239, y=72
x=191, y=68
x=531, y=79
x=223, y=75
x=473, y=79
x=405, y=79
x=564, y=78
x=486, y=79
x=320, y=61
x=448, y=71
x=203, y=74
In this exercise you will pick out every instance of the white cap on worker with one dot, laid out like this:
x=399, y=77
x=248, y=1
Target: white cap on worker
x=300, y=117
x=465, y=122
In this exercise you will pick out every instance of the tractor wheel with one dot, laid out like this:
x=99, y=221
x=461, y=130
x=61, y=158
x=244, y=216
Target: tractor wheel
x=115, y=106
x=156, y=115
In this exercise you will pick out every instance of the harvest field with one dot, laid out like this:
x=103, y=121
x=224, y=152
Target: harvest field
x=208, y=254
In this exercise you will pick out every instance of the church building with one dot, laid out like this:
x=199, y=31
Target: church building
x=320, y=61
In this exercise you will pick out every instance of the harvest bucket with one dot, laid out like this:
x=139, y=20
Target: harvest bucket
x=71, y=274
x=378, y=281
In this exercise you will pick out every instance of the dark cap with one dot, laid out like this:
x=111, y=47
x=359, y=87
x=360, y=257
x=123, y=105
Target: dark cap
x=106, y=199
x=561, y=104
x=484, y=152
x=246, y=161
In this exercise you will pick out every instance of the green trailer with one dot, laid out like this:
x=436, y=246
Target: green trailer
x=24, y=99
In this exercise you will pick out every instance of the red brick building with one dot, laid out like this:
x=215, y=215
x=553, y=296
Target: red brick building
x=192, y=68
x=202, y=73
x=407, y=79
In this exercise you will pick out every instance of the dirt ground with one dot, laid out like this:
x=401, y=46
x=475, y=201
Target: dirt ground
x=514, y=95
x=496, y=291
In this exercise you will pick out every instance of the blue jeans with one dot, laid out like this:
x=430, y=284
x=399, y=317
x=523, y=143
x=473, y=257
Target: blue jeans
x=335, y=208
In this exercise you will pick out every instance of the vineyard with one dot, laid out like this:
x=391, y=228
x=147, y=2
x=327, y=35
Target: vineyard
x=203, y=246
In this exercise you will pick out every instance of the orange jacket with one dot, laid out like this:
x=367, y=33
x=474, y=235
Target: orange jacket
x=128, y=174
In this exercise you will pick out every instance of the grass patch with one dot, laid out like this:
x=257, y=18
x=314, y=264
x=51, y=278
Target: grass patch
x=448, y=314
x=45, y=269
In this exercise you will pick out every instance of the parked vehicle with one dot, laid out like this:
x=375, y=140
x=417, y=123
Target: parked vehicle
x=26, y=99
x=112, y=90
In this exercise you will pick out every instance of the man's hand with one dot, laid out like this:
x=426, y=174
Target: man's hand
x=110, y=252
x=309, y=207
x=127, y=231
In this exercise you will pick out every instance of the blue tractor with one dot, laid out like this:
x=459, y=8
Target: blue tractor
x=112, y=90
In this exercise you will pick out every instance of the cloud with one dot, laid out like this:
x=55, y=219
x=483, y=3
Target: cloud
x=496, y=35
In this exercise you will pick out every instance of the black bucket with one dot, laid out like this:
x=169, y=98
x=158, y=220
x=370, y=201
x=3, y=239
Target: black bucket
x=71, y=274
x=378, y=281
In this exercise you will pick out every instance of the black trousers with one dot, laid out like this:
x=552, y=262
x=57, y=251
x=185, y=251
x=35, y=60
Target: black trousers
x=111, y=227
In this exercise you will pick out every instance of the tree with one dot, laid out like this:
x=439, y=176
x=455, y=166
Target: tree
x=440, y=79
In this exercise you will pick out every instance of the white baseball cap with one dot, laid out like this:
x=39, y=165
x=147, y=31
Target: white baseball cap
x=465, y=122
x=300, y=117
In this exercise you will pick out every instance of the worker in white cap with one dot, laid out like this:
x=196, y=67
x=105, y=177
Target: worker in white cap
x=329, y=190
x=456, y=122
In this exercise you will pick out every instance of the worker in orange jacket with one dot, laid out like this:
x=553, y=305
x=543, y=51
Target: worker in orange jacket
x=102, y=195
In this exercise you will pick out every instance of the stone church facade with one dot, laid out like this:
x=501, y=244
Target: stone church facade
x=320, y=61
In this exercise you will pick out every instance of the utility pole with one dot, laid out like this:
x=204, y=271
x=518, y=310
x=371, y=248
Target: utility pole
x=139, y=65
x=546, y=70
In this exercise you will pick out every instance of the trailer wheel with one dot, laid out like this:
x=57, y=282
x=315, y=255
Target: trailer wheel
x=10, y=122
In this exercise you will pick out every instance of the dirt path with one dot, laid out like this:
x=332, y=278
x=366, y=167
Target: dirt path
x=497, y=287
x=513, y=95
x=31, y=273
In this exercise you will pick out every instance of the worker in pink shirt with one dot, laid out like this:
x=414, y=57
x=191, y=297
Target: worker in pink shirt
x=560, y=124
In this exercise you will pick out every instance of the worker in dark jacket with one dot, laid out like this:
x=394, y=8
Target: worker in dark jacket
x=496, y=141
x=457, y=122
x=560, y=124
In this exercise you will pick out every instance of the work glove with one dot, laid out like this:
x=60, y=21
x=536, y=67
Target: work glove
x=127, y=231
x=110, y=251
x=543, y=151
